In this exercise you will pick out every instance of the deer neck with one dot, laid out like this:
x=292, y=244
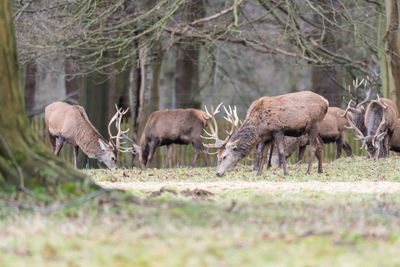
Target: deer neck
x=248, y=137
x=88, y=142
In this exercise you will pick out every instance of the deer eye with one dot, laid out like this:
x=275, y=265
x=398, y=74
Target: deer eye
x=112, y=158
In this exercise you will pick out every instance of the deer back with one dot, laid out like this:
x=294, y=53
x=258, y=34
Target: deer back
x=173, y=125
x=333, y=124
x=72, y=123
x=293, y=112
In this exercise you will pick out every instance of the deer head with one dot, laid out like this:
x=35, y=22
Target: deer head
x=372, y=143
x=355, y=107
x=226, y=159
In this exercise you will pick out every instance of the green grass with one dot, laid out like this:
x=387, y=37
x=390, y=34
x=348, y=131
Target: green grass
x=227, y=228
x=345, y=169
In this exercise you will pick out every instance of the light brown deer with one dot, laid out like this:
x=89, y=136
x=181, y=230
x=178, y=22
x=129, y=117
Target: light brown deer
x=271, y=118
x=178, y=126
x=70, y=124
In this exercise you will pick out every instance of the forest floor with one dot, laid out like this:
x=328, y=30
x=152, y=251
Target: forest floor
x=347, y=216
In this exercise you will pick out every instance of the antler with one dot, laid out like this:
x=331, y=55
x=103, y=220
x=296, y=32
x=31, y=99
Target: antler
x=367, y=91
x=354, y=100
x=379, y=102
x=213, y=134
x=360, y=136
x=380, y=132
x=120, y=134
x=231, y=116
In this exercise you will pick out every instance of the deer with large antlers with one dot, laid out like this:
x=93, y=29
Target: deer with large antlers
x=380, y=118
x=70, y=124
x=356, y=108
x=375, y=125
x=269, y=119
x=178, y=126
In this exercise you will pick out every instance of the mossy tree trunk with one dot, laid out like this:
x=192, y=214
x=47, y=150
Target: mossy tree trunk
x=393, y=48
x=24, y=160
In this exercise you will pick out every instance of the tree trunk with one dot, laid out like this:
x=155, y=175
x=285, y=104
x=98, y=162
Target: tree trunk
x=325, y=80
x=393, y=49
x=24, y=160
x=187, y=87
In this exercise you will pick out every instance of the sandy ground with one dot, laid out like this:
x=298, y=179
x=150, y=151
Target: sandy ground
x=363, y=187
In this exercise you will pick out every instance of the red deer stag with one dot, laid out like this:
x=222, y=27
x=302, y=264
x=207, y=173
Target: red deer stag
x=355, y=108
x=269, y=119
x=179, y=126
x=70, y=124
x=380, y=119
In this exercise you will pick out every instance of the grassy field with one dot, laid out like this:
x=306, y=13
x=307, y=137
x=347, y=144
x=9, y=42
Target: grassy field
x=190, y=217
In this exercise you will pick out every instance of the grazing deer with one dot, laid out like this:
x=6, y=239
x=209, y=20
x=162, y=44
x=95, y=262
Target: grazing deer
x=380, y=120
x=70, y=124
x=269, y=119
x=356, y=108
x=178, y=126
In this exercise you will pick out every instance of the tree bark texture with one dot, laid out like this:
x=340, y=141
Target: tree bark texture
x=24, y=160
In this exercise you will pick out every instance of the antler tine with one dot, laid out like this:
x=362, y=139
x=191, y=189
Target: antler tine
x=367, y=91
x=231, y=116
x=114, y=118
x=118, y=119
x=360, y=136
x=213, y=133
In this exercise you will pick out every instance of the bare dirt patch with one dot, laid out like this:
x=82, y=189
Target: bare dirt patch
x=362, y=187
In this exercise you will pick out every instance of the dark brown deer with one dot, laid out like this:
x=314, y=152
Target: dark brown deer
x=380, y=120
x=395, y=140
x=269, y=119
x=70, y=124
x=178, y=126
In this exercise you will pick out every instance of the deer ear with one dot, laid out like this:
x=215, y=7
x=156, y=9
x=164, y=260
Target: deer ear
x=102, y=145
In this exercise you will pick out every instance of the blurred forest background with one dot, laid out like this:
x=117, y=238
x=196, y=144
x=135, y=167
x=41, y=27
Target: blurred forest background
x=155, y=55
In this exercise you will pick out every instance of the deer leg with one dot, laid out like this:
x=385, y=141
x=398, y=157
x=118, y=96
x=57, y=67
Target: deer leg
x=347, y=149
x=313, y=135
x=271, y=150
x=206, y=156
x=259, y=149
x=196, y=155
x=59, y=144
x=152, y=150
x=300, y=156
x=320, y=153
x=261, y=155
x=280, y=140
x=169, y=155
x=76, y=149
x=339, y=146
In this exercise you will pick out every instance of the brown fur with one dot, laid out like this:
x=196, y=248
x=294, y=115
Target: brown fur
x=373, y=118
x=271, y=118
x=179, y=126
x=70, y=124
x=395, y=140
